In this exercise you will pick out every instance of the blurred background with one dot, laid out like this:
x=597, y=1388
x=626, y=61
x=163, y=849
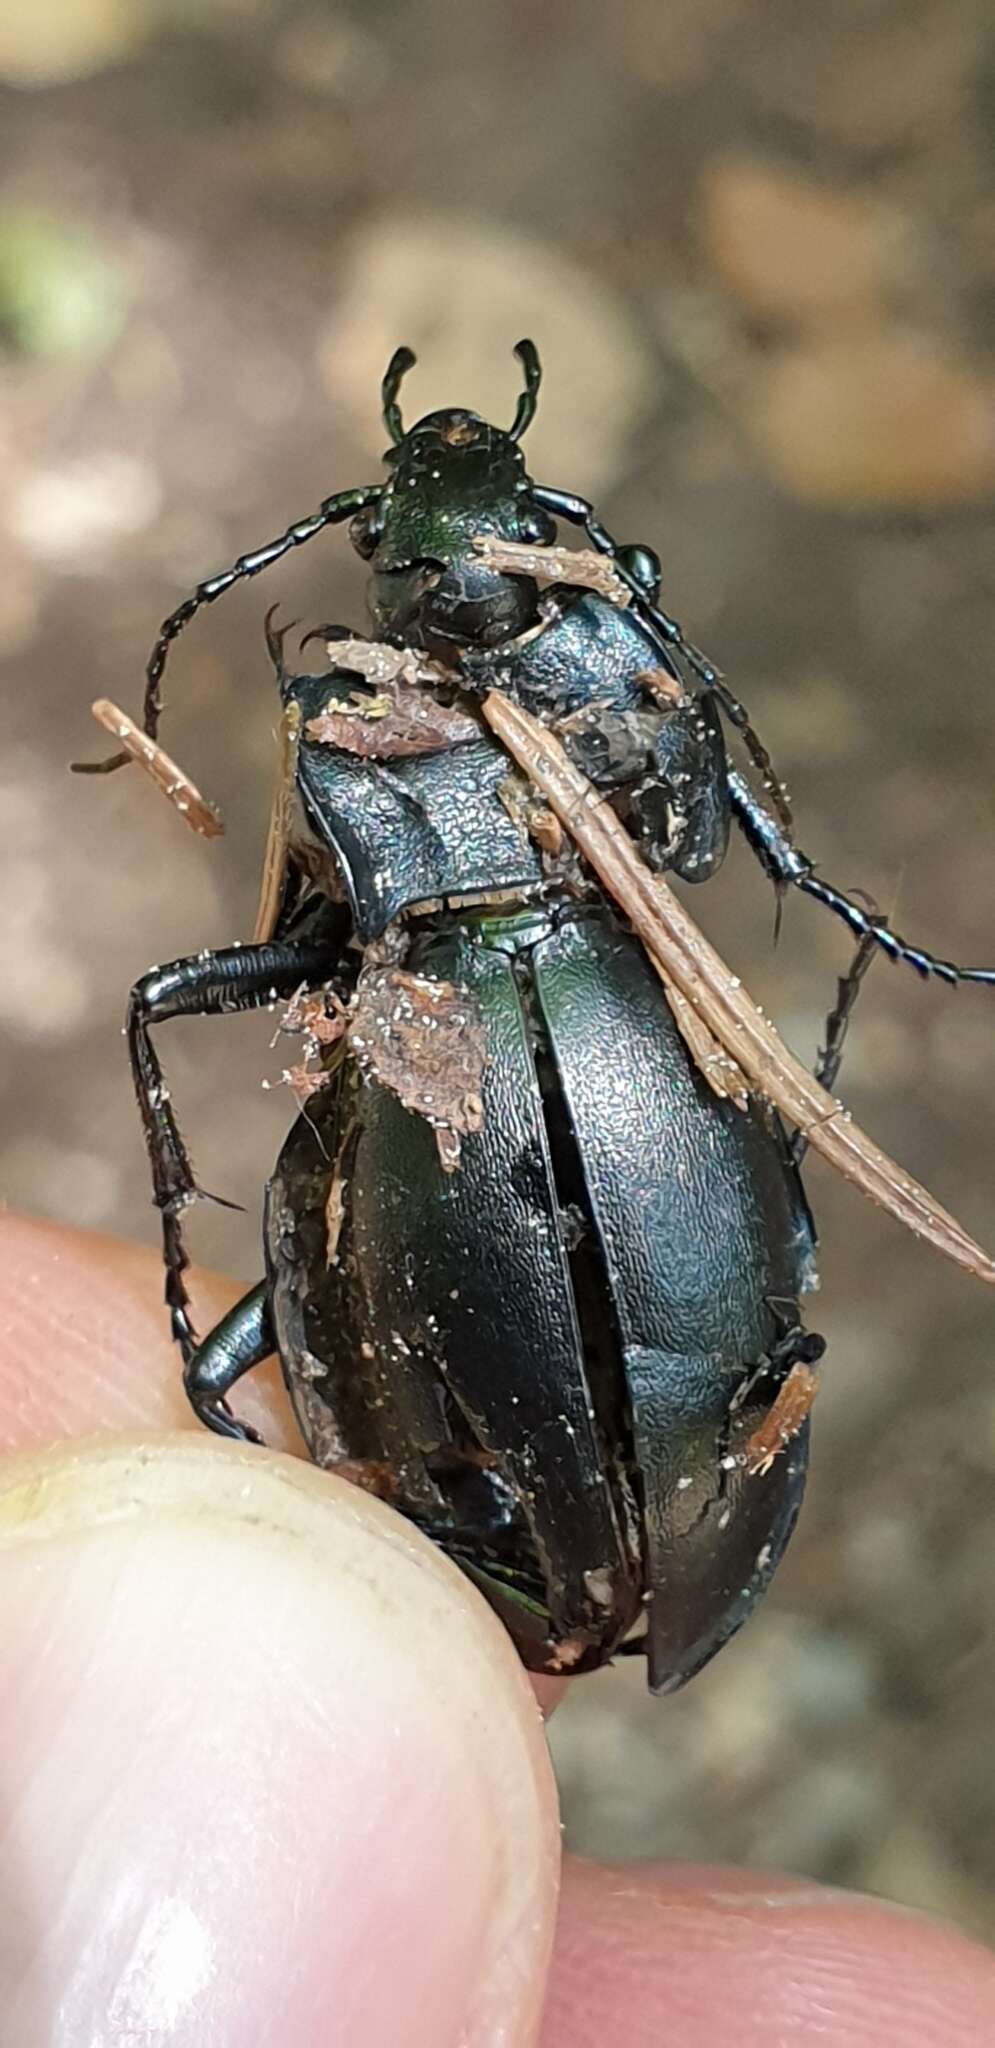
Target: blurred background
x=755, y=241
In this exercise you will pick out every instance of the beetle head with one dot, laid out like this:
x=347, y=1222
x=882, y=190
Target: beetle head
x=453, y=477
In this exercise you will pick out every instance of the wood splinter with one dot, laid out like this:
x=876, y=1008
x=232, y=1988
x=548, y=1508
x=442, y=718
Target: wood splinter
x=783, y=1420
x=583, y=568
x=183, y=794
x=279, y=829
x=724, y=1077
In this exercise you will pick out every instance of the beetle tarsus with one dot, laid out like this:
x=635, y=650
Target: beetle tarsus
x=241, y=1340
x=837, y=1025
x=217, y=1416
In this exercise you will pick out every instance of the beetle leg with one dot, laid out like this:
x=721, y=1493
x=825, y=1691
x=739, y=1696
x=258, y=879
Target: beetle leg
x=837, y=1025
x=242, y=1339
x=330, y=513
x=206, y=984
x=785, y=863
x=838, y=1020
x=634, y=567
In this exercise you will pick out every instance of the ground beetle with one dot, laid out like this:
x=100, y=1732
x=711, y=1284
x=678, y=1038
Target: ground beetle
x=530, y=1275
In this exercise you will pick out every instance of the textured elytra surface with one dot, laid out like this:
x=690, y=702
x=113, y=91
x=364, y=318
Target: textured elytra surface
x=574, y=1313
x=771, y=230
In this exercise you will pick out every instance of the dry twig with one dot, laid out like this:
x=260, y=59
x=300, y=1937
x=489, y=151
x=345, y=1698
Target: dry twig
x=183, y=794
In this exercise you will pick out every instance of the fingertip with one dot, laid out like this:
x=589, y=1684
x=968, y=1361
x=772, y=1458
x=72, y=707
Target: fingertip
x=85, y=1346
x=279, y=1775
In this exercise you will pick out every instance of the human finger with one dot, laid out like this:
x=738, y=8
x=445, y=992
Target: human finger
x=85, y=1343
x=647, y=1953
x=273, y=1770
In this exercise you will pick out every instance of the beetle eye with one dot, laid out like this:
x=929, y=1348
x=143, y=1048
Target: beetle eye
x=536, y=525
x=364, y=532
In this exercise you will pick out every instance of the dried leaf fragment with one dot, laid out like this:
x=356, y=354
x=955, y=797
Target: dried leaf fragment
x=335, y=1201
x=546, y=830
x=322, y=1018
x=323, y=1022
x=400, y=721
x=424, y=1040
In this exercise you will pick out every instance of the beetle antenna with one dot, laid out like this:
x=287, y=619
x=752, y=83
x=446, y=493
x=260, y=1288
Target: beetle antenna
x=402, y=360
x=528, y=356
x=331, y=512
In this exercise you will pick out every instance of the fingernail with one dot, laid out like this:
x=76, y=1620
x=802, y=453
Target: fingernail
x=273, y=1771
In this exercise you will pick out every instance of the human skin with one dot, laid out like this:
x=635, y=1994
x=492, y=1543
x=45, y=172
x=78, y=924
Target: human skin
x=273, y=1772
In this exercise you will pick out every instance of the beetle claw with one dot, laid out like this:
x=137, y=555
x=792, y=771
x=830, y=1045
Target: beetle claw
x=220, y=1201
x=217, y=1416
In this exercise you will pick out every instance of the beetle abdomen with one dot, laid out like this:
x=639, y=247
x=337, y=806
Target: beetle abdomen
x=543, y=1345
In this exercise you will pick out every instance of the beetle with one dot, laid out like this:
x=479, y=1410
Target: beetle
x=530, y=1274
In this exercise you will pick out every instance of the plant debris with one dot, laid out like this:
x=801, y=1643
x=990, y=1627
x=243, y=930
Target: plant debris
x=183, y=794
x=401, y=720
x=583, y=568
x=424, y=1040
x=784, y=1418
x=279, y=829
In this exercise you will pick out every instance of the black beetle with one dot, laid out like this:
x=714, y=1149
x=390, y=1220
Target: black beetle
x=528, y=1275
